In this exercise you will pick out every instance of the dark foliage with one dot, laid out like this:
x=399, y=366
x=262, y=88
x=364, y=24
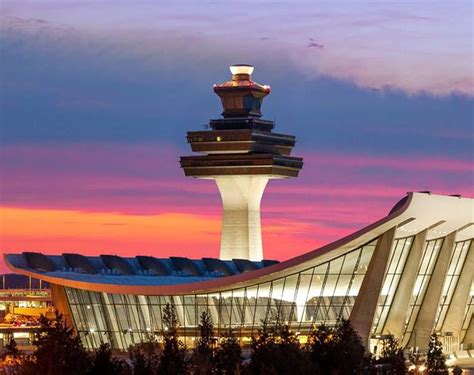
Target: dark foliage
x=102, y=363
x=322, y=348
x=145, y=357
x=228, y=356
x=392, y=355
x=58, y=351
x=203, y=360
x=350, y=352
x=338, y=350
x=276, y=350
x=173, y=360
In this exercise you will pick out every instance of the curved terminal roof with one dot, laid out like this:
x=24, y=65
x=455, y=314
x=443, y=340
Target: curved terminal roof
x=439, y=215
x=141, y=270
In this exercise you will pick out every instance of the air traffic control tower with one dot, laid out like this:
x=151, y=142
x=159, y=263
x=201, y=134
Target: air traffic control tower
x=241, y=153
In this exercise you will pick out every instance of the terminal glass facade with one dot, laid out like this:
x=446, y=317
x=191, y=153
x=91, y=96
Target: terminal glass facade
x=396, y=264
x=455, y=267
x=425, y=270
x=320, y=294
x=469, y=315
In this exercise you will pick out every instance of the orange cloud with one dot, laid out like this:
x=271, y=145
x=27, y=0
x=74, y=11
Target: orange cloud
x=54, y=231
x=161, y=235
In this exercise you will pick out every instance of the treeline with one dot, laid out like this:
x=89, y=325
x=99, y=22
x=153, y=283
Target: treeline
x=274, y=350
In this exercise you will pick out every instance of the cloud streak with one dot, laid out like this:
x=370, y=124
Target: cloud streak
x=373, y=45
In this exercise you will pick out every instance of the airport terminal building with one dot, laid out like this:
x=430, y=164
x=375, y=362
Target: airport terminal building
x=408, y=274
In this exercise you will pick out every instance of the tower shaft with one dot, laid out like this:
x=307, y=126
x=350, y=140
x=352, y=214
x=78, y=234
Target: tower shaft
x=241, y=229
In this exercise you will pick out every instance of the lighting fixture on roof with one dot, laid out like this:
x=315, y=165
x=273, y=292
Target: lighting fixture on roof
x=241, y=69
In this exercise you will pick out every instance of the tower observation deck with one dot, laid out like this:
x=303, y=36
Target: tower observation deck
x=241, y=153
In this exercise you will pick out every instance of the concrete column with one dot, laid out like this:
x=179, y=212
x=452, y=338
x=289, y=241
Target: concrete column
x=61, y=304
x=362, y=314
x=241, y=230
x=457, y=306
x=425, y=320
x=401, y=300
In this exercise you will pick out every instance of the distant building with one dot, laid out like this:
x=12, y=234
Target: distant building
x=22, y=300
x=408, y=274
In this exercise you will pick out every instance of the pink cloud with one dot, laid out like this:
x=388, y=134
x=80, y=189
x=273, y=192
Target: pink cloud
x=408, y=163
x=132, y=177
x=335, y=194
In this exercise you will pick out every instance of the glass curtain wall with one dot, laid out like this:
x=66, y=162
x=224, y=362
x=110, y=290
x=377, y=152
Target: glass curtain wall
x=455, y=267
x=468, y=317
x=425, y=270
x=319, y=294
x=396, y=264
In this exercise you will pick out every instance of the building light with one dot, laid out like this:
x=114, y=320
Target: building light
x=241, y=69
x=218, y=139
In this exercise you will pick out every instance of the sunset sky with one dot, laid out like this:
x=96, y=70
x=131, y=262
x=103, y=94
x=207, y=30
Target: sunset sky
x=97, y=96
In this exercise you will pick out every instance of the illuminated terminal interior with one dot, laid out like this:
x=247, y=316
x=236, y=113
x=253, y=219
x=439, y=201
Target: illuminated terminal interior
x=22, y=301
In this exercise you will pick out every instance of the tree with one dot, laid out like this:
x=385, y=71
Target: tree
x=293, y=359
x=392, y=354
x=276, y=350
x=173, y=361
x=102, y=363
x=435, y=359
x=58, y=350
x=321, y=346
x=145, y=358
x=203, y=356
x=228, y=356
x=349, y=351
x=337, y=349
x=263, y=349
